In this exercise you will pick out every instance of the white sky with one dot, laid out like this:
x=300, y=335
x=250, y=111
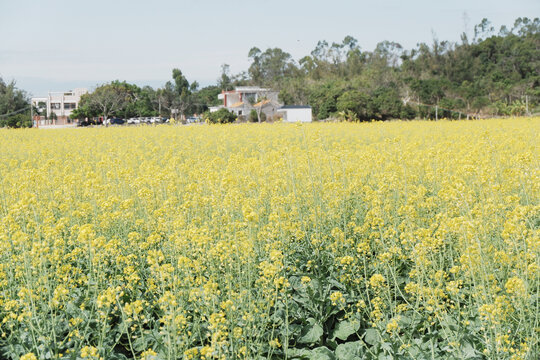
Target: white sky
x=60, y=44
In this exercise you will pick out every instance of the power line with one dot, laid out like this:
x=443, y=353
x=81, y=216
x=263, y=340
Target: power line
x=16, y=112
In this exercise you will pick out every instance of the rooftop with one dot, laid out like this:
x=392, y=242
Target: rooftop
x=294, y=107
x=250, y=89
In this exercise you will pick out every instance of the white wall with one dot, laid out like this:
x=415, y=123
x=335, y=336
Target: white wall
x=297, y=115
x=72, y=97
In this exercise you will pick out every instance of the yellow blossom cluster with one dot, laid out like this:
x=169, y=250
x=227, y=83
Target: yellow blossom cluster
x=244, y=241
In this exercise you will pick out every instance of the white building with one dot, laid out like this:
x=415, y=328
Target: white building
x=243, y=99
x=296, y=113
x=61, y=104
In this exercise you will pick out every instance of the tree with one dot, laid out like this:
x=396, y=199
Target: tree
x=255, y=69
x=205, y=97
x=222, y=116
x=178, y=94
x=16, y=121
x=166, y=96
x=386, y=103
x=109, y=99
x=483, y=30
x=390, y=52
x=355, y=59
x=14, y=106
x=323, y=98
x=269, y=67
x=225, y=82
x=429, y=91
x=352, y=105
x=253, y=116
x=258, y=103
x=294, y=91
x=148, y=102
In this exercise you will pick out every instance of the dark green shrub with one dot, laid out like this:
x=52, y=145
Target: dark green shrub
x=222, y=116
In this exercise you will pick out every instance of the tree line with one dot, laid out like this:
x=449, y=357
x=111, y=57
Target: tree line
x=490, y=74
x=121, y=99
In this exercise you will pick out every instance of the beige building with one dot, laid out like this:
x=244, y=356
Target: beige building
x=58, y=106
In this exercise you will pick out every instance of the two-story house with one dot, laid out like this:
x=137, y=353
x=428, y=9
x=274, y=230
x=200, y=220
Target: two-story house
x=243, y=99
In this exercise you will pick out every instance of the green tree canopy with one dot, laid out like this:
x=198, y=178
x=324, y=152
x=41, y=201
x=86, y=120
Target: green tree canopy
x=14, y=106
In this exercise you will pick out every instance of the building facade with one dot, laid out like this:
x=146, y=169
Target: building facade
x=243, y=99
x=57, y=106
x=296, y=113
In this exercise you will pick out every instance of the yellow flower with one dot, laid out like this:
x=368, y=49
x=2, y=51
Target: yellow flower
x=392, y=326
x=29, y=356
x=89, y=352
x=337, y=298
x=515, y=286
x=149, y=355
x=377, y=280
x=275, y=343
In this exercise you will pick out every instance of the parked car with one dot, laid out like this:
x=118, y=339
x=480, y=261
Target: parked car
x=115, y=121
x=87, y=122
x=84, y=123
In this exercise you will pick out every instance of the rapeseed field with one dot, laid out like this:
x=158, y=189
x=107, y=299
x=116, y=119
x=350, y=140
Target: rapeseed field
x=410, y=240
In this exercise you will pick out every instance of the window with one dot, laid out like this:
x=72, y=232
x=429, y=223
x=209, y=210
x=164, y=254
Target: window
x=55, y=106
x=250, y=97
x=68, y=106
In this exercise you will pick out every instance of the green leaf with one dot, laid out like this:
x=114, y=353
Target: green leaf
x=295, y=330
x=349, y=351
x=298, y=353
x=413, y=351
x=404, y=321
x=469, y=352
x=346, y=328
x=140, y=344
x=322, y=353
x=331, y=344
x=296, y=283
x=372, y=337
x=311, y=333
x=116, y=356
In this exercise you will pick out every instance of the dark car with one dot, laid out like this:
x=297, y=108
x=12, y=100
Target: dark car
x=115, y=121
x=87, y=122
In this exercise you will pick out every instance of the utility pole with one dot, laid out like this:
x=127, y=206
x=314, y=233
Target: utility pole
x=527, y=104
x=436, y=112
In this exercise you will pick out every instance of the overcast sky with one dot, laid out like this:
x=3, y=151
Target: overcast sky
x=58, y=45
